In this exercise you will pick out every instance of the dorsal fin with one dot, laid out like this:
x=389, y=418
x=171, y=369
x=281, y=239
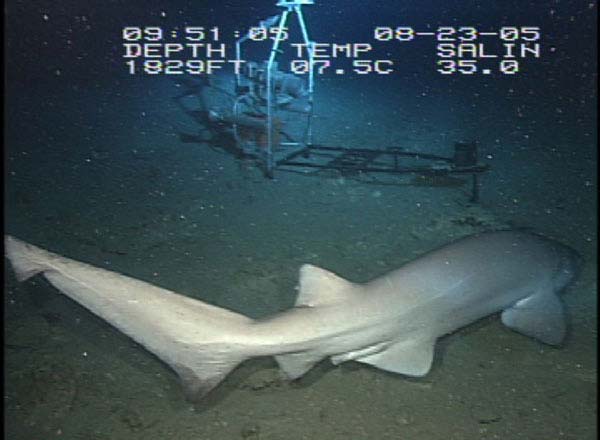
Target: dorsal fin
x=319, y=286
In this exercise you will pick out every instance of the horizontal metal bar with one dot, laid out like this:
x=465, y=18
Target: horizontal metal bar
x=392, y=151
x=405, y=170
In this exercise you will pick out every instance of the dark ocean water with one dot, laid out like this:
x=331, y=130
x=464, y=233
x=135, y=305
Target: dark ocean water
x=118, y=170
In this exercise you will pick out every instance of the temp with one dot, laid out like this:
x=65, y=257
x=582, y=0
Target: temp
x=327, y=50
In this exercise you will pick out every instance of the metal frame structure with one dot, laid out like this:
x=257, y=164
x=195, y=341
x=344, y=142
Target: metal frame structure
x=357, y=161
x=260, y=96
x=280, y=21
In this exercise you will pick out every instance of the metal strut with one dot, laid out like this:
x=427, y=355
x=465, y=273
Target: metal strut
x=296, y=7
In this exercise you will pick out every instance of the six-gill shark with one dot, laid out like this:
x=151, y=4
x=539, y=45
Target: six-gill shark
x=391, y=322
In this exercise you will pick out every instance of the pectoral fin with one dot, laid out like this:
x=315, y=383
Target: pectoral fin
x=540, y=316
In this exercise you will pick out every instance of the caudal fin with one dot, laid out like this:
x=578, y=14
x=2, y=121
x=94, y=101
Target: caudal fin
x=187, y=334
x=24, y=258
x=199, y=379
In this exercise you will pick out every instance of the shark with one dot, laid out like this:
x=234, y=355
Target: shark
x=391, y=322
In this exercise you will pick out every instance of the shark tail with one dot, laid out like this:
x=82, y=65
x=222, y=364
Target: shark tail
x=184, y=332
x=200, y=376
x=23, y=258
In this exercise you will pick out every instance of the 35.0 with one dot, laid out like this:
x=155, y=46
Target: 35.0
x=469, y=67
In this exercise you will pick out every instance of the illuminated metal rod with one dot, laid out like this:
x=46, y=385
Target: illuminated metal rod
x=295, y=6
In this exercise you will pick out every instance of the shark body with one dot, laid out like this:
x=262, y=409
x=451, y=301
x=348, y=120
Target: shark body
x=391, y=323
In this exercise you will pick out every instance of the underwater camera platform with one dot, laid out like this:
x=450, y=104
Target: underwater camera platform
x=269, y=114
x=240, y=116
x=283, y=142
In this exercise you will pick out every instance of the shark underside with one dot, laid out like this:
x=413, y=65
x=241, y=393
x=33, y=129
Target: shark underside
x=391, y=322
